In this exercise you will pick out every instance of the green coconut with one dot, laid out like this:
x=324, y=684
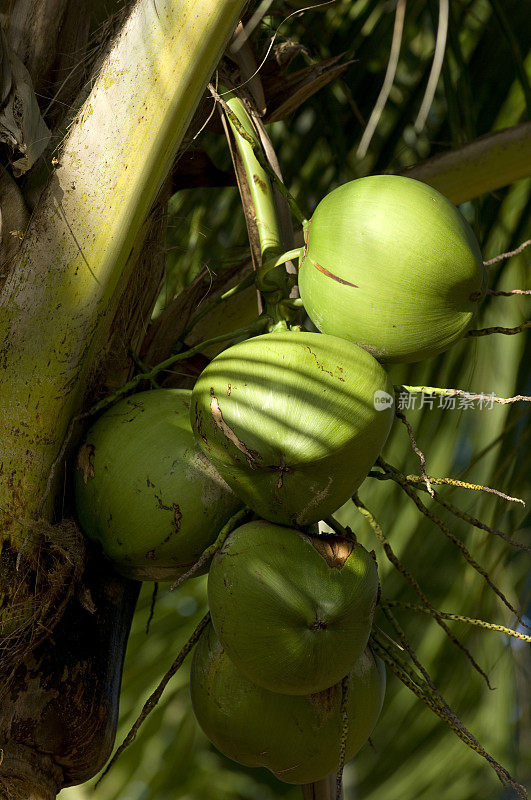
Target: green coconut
x=293, y=421
x=297, y=737
x=393, y=266
x=144, y=489
x=293, y=612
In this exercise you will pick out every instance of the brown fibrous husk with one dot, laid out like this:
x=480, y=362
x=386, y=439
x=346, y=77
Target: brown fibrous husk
x=37, y=578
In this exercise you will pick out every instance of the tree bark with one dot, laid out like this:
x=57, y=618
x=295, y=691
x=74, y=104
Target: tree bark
x=29, y=787
x=59, y=708
x=32, y=29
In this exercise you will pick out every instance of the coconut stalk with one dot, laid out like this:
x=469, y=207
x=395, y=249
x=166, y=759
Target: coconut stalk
x=65, y=285
x=262, y=208
x=320, y=790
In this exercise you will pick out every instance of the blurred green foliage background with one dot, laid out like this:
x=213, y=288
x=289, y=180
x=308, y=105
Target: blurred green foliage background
x=484, y=87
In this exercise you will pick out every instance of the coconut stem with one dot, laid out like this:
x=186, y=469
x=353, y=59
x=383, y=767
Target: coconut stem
x=235, y=120
x=270, y=264
x=259, y=180
x=207, y=554
x=324, y=789
x=257, y=176
x=277, y=261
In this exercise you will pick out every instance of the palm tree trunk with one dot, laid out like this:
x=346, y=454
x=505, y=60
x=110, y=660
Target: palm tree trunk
x=58, y=703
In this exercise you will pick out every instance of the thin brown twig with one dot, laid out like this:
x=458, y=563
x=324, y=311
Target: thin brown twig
x=402, y=670
x=414, y=480
x=444, y=392
x=498, y=329
x=499, y=293
x=390, y=554
x=440, y=707
x=406, y=644
x=511, y=253
x=477, y=487
x=436, y=702
x=477, y=523
x=422, y=458
x=479, y=623
x=152, y=606
x=449, y=715
x=344, y=735
x=449, y=535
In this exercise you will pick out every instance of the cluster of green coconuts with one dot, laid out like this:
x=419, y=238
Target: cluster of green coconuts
x=289, y=424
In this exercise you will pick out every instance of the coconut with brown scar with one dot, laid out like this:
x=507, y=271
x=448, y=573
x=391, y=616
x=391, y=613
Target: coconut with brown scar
x=293, y=611
x=390, y=264
x=144, y=489
x=299, y=430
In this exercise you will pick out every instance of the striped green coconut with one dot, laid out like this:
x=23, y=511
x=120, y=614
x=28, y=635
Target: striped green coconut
x=144, y=489
x=297, y=737
x=392, y=265
x=293, y=421
x=294, y=612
